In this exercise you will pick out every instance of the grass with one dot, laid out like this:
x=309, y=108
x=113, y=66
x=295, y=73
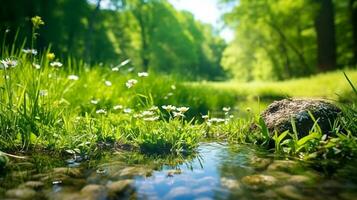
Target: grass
x=81, y=110
x=330, y=85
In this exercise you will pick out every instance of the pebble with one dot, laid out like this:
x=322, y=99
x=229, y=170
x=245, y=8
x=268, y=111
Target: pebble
x=259, y=180
x=230, y=183
x=34, y=184
x=283, y=165
x=290, y=192
x=118, y=187
x=21, y=193
x=73, y=172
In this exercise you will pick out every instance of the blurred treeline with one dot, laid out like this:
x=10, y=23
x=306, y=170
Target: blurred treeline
x=281, y=39
x=274, y=39
x=151, y=33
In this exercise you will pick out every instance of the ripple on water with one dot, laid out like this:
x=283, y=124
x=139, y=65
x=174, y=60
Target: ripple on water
x=219, y=171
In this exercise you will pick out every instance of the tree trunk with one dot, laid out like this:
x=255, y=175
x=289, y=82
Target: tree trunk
x=326, y=39
x=353, y=8
x=144, y=38
x=91, y=22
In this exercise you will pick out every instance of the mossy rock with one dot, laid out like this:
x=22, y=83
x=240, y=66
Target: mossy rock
x=279, y=115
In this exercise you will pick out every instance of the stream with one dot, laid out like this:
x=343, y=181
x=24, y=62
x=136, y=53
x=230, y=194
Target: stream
x=217, y=171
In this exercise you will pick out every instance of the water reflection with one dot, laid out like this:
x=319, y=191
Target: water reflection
x=217, y=171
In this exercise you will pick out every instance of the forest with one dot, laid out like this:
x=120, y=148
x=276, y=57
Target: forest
x=144, y=99
x=274, y=40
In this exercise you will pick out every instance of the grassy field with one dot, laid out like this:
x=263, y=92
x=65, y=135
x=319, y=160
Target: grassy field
x=66, y=106
x=331, y=85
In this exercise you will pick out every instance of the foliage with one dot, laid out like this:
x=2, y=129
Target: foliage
x=152, y=34
x=277, y=40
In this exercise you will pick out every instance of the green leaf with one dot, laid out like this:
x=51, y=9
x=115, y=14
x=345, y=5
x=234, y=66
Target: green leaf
x=264, y=128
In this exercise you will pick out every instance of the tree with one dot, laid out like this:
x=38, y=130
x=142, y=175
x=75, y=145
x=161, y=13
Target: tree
x=353, y=10
x=326, y=40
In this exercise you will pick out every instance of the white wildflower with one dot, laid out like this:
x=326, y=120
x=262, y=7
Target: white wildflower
x=143, y=74
x=169, y=108
x=178, y=114
x=125, y=62
x=151, y=119
x=56, y=64
x=7, y=63
x=147, y=113
x=108, y=83
x=73, y=77
x=93, y=101
x=115, y=69
x=43, y=93
x=118, y=107
x=205, y=116
x=127, y=110
x=36, y=66
x=138, y=116
x=226, y=109
x=154, y=108
x=183, y=109
x=101, y=111
x=30, y=51
x=216, y=120
x=130, y=83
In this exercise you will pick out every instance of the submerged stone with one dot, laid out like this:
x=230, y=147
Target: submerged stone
x=259, y=180
x=73, y=172
x=290, y=192
x=134, y=171
x=283, y=165
x=300, y=180
x=260, y=163
x=231, y=184
x=33, y=184
x=93, y=192
x=21, y=193
x=279, y=114
x=119, y=187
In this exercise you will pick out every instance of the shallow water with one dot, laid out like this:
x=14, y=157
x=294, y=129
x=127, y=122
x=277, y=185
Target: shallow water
x=218, y=171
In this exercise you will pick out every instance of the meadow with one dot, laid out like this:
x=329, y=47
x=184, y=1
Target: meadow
x=78, y=109
x=67, y=106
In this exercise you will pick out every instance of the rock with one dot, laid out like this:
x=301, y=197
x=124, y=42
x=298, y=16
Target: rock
x=289, y=192
x=93, y=192
x=33, y=184
x=118, y=187
x=300, y=180
x=260, y=163
x=279, y=114
x=349, y=195
x=72, y=172
x=21, y=193
x=173, y=172
x=258, y=181
x=283, y=165
x=134, y=171
x=230, y=183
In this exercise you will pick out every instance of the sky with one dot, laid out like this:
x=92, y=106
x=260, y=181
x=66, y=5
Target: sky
x=206, y=11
